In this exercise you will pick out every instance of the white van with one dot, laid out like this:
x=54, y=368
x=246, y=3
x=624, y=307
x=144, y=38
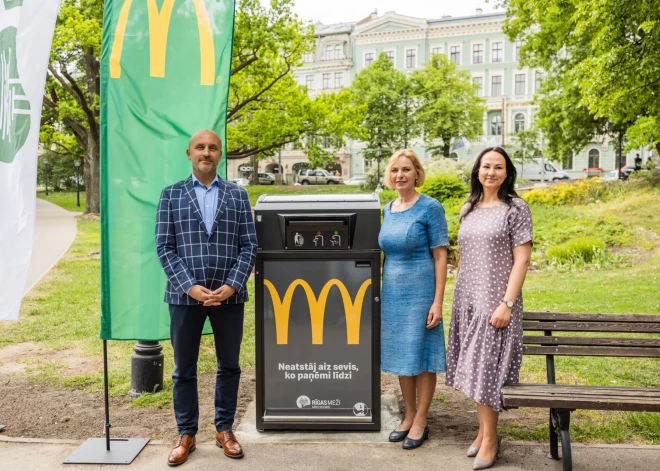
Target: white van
x=539, y=169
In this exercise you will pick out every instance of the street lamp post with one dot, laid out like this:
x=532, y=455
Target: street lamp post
x=77, y=164
x=378, y=153
x=46, y=172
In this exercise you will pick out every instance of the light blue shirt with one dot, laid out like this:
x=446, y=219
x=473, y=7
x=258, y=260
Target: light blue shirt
x=207, y=198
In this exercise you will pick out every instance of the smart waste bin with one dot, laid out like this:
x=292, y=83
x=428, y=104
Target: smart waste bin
x=318, y=312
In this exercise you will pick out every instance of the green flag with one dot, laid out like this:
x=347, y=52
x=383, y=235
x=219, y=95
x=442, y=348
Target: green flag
x=165, y=70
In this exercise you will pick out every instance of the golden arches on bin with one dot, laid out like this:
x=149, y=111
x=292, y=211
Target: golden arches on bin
x=352, y=310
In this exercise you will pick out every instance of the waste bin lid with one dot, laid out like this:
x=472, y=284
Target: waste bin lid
x=359, y=198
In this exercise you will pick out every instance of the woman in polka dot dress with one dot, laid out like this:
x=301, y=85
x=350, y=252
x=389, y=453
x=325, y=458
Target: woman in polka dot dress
x=485, y=336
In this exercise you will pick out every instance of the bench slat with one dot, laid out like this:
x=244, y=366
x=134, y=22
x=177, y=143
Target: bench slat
x=587, y=317
x=582, y=397
x=590, y=341
x=583, y=390
x=593, y=351
x=651, y=328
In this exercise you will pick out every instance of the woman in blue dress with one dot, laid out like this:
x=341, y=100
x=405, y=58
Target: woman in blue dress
x=414, y=240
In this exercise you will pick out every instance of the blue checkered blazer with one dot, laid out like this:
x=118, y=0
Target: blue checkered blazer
x=190, y=256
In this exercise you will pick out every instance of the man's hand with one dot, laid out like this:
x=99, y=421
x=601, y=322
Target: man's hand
x=218, y=296
x=199, y=293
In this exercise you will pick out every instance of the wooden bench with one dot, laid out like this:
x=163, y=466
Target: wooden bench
x=563, y=399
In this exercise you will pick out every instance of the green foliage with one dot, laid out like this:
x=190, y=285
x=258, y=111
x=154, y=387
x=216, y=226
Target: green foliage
x=583, y=249
x=526, y=144
x=267, y=108
x=448, y=106
x=61, y=171
x=602, y=60
x=383, y=97
x=444, y=187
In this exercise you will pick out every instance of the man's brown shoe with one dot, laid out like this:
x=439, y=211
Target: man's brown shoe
x=183, y=446
x=227, y=441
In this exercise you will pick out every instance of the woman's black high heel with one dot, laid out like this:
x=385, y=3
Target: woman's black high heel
x=411, y=443
x=397, y=436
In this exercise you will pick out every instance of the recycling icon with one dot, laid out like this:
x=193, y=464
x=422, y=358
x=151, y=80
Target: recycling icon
x=14, y=104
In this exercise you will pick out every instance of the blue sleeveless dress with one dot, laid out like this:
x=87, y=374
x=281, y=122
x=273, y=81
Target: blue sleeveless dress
x=408, y=290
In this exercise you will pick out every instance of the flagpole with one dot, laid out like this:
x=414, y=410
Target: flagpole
x=106, y=395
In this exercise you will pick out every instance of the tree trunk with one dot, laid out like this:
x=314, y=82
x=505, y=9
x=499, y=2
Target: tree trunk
x=657, y=147
x=93, y=176
x=445, y=150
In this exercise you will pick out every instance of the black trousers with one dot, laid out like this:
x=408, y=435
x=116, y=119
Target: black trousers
x=186, y=325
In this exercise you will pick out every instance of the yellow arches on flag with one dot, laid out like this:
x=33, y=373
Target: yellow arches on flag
x=159, y=25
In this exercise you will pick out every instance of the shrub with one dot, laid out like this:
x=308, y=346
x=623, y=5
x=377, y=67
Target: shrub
x=443, y=187
x=581, y=249
x=577, y=192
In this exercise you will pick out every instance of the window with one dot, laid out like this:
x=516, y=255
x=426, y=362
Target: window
x=367, y=163
x=411, y=58
x=454, y=156
x=327, y=143
x=309, y=80
x=519, y=122
x=538, y=78
x=390, y=56
x=339, y=51
x=329, y=53
x=520, y=84
x=568, y=161
x=479, y=82
x=437, y=50
x=368, y=59
x=308, y=57
x=496, y=125
x=455, y=54
x=517, y=53
x=478, y=54
x=339, y=80
x=496, y=85
x=326, y=81
x=594, y=158
x=498, y=51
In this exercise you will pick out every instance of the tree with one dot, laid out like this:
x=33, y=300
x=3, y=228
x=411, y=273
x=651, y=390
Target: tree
x=70, y=116
x=526, y=142
x=607, y=52
x=447, y=104
x=383, y=99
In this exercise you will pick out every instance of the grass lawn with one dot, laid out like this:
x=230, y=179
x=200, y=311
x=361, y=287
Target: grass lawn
x=65, y=199
x=67, y=302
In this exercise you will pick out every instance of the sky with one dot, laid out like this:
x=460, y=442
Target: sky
x=337, y=11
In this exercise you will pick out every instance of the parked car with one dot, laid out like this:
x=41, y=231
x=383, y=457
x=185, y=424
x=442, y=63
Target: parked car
x=241, y=181
x=534, y=170
x=318, y=177
x=266, y=179
x=355, y=181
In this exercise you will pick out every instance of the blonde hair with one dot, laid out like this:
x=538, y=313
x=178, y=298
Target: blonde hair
x=421, y=174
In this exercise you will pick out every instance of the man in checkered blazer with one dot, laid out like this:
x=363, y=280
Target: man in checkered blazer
x=206, y=243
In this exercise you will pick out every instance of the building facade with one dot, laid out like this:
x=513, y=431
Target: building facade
x=475, y=43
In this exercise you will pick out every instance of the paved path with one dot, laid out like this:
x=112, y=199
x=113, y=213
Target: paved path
x=437, y=454
x=54, y=232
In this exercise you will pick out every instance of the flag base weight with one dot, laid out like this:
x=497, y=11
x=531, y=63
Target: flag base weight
x=107, y=450
x=93, y=451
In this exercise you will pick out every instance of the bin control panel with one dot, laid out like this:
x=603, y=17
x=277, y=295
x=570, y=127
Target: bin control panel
x=317, y=233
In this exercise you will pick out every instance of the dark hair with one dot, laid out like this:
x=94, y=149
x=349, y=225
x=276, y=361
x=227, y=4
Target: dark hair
x=507, y=191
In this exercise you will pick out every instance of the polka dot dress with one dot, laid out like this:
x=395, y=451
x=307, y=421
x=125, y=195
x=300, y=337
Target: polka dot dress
x=481, y=358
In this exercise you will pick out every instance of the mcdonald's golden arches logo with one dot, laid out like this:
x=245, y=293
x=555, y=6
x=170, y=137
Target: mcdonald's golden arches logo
x=352, y=310
x=159, y=27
